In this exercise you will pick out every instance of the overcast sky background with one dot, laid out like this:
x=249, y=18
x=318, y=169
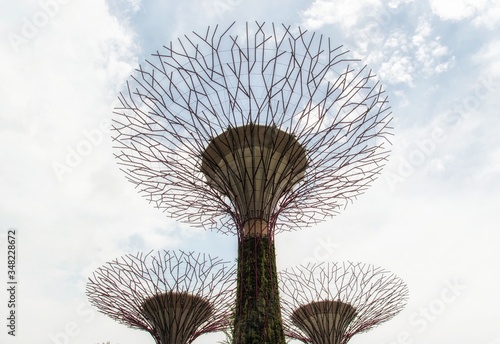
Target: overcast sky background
x=432, y=217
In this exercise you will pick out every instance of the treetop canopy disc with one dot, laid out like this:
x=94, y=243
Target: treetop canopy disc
x=332, y=302
x=312, y=128
x=176, y=296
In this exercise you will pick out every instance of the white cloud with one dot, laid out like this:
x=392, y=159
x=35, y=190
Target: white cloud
x=490, y=17
x=135, y=5
x=342, y=12
x=482, y=12
x=387, y=37
x=487, y=59
x=400, y=54
x=398, y=69
x=432, y=57
x=457, y=9
x=397, y=3
x=218, y=8
x=62, y=63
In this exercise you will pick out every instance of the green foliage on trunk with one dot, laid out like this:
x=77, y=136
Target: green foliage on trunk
x=258, y=314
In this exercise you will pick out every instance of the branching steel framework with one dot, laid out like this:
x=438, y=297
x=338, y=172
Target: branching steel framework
x=271, y=76
x=175, y=296
x=328, y=303
x=252, y=131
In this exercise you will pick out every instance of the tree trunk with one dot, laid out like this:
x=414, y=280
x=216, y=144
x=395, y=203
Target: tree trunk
x=258, y=313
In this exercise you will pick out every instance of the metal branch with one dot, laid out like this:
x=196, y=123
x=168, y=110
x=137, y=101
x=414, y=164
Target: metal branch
x=328, y=303
x=212, y=83
x=175, y=296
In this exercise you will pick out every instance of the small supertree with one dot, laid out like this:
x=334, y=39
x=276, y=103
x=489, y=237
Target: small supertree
x=328, y=303
x=252, y=131
x=175, y=296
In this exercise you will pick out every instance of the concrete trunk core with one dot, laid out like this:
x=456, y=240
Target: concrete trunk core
x=324, y=322
x=254, y=166
x=176, y=316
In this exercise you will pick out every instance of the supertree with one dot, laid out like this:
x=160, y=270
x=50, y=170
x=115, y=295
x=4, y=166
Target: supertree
x=252, y=131
x=328, y=303
x=175, y=296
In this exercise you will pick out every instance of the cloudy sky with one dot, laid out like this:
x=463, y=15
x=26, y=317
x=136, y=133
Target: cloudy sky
x=432, y=217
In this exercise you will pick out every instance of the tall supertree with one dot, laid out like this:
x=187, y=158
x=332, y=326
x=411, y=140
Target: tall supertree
x=175, y=296
x=328, y=303
x=252, y=130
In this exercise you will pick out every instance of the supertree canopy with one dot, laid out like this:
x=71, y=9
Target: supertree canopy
x=175, y=296
x=328, y=303
x=257, y=128
x=252, y=130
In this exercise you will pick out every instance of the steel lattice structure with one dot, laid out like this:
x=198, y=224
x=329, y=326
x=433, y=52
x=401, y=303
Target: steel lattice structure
x=175, y=296
x=181, y=114
x=252, y=130
x=328, y=303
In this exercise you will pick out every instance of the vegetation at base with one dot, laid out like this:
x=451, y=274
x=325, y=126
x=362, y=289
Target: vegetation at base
x=258, y=314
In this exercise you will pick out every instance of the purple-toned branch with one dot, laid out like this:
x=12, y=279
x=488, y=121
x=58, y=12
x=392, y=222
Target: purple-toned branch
x=343, y=299
x=175, y=296
x=271, y=76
